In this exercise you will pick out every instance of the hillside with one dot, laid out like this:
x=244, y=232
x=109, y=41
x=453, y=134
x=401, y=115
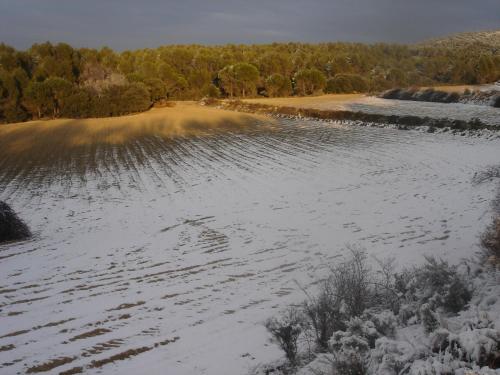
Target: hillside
x=489, y=39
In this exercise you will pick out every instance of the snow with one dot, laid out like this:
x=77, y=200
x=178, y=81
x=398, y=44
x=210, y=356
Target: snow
x=456, y=111
x=208, y=237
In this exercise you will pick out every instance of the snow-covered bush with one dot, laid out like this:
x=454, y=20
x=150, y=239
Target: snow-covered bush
x=286, y=330
x=390, y=357
x=325, y=315
x=349, y=362
x=430, y=320
x=491, y=242
x=385, y=322
x=351, y=290
x=480, y=346
x=350, y=281
x=437, y=284
x=359, y=336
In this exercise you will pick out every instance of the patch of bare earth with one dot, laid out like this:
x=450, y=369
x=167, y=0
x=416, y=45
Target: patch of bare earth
x=52, y=364
x=86, y=335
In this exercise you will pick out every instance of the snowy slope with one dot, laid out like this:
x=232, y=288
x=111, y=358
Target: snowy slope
x=181, y=249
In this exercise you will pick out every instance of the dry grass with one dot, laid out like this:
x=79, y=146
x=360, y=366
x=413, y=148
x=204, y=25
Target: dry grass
x=185, y=119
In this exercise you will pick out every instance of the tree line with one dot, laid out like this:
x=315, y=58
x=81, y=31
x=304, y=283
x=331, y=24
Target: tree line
x=51, y=81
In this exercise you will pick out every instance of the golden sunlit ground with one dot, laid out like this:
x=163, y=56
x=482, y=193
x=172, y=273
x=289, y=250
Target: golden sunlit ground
x=185, y=119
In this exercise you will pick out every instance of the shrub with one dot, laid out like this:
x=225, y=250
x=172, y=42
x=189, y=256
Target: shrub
x=309, y=81
x=15, y=113
x=350, y=363
x=496, y=101
x=360, y=336
x=278, y=85
x=324, y=313
x=211, y=91
x=438, y=284
x=135, y=98
x=491, y=242
x=384, y=322
x=77, y=105
x=11, y=227
x=239, y=79
x=346, y=84
x=351, y=282
x=428, y=318
x=286, y=330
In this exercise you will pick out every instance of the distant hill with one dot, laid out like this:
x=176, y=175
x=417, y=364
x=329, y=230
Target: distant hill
x=486, y=39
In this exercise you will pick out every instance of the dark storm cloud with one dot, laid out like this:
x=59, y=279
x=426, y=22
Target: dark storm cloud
x=126, y=24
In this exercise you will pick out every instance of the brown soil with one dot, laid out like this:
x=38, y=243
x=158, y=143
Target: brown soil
x=95, y=332
x=47, y=366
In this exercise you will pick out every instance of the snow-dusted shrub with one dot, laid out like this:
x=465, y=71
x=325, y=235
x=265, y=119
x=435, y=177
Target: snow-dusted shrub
x=437, y=284
x=491, y=241
x=346, y=293
x=428, y=318
x=480, y=346
x=406, y=326
x=11, y=227
x=353, y=289
x=443, y=363
x=349, y=363
x=286, y=330
x=385, y=322
x=390, y=357
x=325, y=315
x=351, y=283
x=488, y=174
x=359, y=336
x=442, y=339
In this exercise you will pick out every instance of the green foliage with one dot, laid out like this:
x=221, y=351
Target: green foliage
x=135, y=98
x=239, y=79
x=309, y=81
x=38, y=99
x=156, y=88
x=78, y=104
x=346, y=84
x=211, y=91
x=278, y=85
x=48, y=79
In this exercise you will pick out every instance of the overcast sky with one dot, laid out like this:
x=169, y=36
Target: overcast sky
x=128, y=24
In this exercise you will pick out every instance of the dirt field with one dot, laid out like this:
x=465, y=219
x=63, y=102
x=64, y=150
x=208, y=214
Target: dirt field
x=185, y=119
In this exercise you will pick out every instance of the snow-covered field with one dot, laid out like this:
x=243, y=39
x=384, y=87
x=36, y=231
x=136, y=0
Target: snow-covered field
x=165, y=257
x=370, y=104
x=458, y=111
